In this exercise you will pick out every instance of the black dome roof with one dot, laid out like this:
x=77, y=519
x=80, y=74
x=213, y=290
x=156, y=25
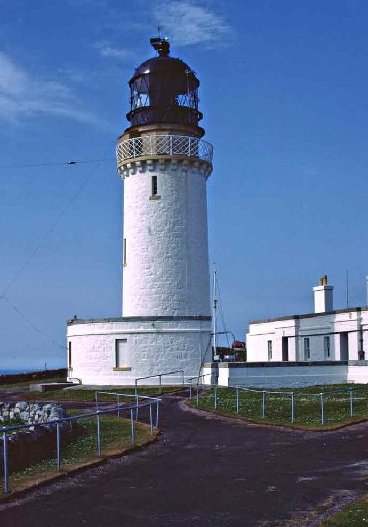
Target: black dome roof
x=166, y=66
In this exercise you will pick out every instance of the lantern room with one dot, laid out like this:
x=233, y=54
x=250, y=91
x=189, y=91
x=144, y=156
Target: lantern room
x=164, y=90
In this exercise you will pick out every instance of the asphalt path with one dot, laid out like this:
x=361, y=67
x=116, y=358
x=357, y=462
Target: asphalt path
x=208, y=471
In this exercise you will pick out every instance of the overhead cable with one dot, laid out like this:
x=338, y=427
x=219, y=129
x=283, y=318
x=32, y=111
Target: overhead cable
x=31, y=323
x=49, y=230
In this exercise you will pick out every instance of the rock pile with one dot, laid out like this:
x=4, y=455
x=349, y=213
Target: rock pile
x=29, y=413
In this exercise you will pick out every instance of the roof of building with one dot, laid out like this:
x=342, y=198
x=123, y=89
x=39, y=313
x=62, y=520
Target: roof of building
x=175, y=318
x=310, y=315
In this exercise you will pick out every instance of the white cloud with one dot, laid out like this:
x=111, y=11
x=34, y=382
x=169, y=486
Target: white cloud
x=23, y=95
x=107, y=50
x=186, y=23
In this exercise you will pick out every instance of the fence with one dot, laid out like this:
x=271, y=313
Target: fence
x=159, y=375
x=131, y=410
x=137, y=398
x=197, y=385
x=313, y=407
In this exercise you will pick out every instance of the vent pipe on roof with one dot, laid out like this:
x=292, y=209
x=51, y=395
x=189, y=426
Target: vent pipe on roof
x=323, y=296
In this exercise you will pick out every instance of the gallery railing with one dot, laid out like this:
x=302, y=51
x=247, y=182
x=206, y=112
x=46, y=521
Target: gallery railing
x=164, y=145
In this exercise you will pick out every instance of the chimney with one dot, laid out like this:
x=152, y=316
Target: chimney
x=323, y=296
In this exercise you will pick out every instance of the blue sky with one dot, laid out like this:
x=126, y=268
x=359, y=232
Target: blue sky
x=284, y=95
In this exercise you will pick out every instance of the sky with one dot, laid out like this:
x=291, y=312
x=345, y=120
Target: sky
x=284, y=93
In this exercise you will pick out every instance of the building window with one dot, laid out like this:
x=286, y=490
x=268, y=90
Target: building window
x=306, y=349
x=124, y=253
x=327, y=348
x=69, y=355
x=154, y=185
x=154, y=189
x=269, y=349
x=121, y=353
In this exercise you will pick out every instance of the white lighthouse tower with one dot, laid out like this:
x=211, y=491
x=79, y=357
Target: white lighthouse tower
x=164, y=164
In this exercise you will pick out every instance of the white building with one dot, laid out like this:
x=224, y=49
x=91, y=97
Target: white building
x=164, y=165
x=325, y=347
x=325, y=335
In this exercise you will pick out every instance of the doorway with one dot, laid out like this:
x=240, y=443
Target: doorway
x=344, y=346
x=285, y=349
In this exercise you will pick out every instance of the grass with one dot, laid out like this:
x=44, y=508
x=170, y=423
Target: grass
x=82, y=451
x=354, y=515
x=88, y=395
x=307, y=405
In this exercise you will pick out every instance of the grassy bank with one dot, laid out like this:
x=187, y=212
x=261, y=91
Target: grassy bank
x=354, y=515
x=337, y=405
x=24, y=379
x=83, y=450
x=88, y=395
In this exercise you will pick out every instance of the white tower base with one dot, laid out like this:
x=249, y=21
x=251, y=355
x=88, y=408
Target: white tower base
x=116, y=351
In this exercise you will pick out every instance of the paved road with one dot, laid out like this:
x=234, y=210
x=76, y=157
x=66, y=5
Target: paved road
x=208, y=472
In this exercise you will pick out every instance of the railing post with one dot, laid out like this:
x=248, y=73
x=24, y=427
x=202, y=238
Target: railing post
x=135, y=386
x=237, y=400
x=171, y=149
x=118, y=401
x=6, y=462
x=96, y=399
x=292, y=408
x=198, y=392
x=322, y=409
x=136, y=407
x=351, y=402
x=58, y=446
x=190, y=390
x=157, y=406
x=98, y=434
x=215, y=396
x=132, y=438
x=263, y=404
x=160, y=383
x=183, y=379
x=151, y=421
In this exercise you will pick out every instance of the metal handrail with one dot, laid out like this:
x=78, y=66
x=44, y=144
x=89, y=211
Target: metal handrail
x=164, y=145
x=190, y=382
x=149, y=401
x=291, y=395
x=159, y=375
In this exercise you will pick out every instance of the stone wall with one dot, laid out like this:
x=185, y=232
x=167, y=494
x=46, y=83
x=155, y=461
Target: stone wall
x=153, y=346
x=29, y=413
x=166, y=259
x=276, y=374
x=31, y=445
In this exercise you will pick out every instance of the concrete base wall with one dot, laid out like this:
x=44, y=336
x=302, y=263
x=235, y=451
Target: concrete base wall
x=152, y=346
x=283, y=375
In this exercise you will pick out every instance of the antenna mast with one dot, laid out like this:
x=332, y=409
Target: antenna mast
x=347, y=289
x=214, y=315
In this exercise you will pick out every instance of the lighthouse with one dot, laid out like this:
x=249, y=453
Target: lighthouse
x=164, y=164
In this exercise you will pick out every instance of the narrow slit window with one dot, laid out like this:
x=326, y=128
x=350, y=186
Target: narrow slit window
x=269, y=349
x=154, y=185
x=306, y=349
x=327, y=347
x=124, y=252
